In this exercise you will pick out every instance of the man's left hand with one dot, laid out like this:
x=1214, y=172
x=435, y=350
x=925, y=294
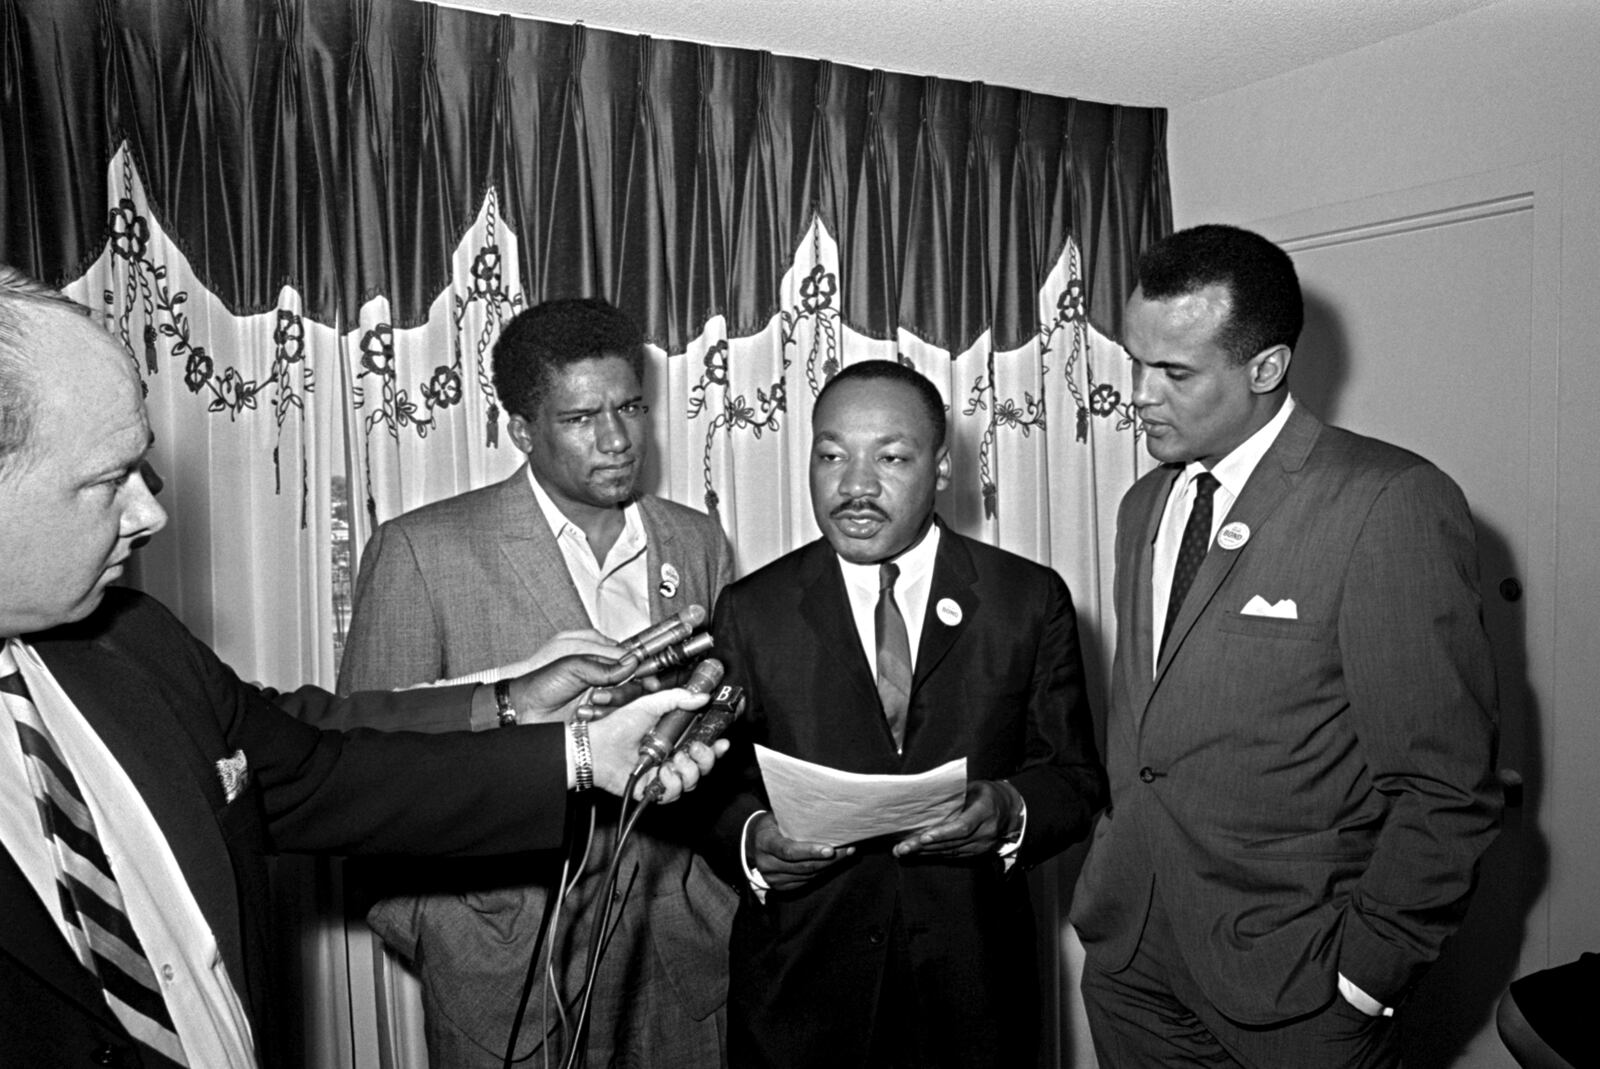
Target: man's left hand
x=990, y=814
x=553, y=691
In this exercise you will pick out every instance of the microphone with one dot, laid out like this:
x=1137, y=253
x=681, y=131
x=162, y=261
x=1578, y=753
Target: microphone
x=657, y=744
x=678, y=653
x=726, y=706
x=658, y=636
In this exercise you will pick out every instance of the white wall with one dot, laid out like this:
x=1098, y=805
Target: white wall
x=1500, y=104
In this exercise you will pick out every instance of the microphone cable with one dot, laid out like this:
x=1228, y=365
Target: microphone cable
x=599, y=937
x=706, y=727
x=655, y=750
x=552, y=982
x=568, y=838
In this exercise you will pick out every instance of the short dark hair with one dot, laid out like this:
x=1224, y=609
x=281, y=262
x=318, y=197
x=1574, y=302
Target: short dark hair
x=893, y=371
x=1264, y=291
x=20, y=296
x=553, y=335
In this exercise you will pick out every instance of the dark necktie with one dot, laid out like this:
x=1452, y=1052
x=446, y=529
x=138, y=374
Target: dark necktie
x=894, y=655
x=91, y=902
x=1192, y=550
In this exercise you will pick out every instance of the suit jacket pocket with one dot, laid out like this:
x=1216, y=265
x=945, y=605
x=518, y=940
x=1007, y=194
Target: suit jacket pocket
x=1330, y=846
x=1264, y=627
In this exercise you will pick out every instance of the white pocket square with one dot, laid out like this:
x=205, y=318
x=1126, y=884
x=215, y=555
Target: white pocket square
x=235, y=774
x=1283, y=610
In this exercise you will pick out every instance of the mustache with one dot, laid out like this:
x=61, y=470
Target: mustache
x=858, y=505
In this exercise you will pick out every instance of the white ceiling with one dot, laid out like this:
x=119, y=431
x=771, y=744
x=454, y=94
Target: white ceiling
x=1148, y=52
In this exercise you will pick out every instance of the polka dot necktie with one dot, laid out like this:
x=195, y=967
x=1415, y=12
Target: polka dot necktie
x=1192, y=550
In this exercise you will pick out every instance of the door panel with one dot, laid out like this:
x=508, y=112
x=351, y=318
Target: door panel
x=1425, y=322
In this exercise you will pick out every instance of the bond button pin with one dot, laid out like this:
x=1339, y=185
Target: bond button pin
x=949, y=612
x=1233, y=535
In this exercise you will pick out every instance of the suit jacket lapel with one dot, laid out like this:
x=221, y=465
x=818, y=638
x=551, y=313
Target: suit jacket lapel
x=142, y=731
x=661, y=548
x=954, y=580
x=825, y=608
x=1134, y=598
x=1262, y=493
x=524, y=537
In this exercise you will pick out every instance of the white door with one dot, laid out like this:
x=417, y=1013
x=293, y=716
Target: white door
x=1428, y=326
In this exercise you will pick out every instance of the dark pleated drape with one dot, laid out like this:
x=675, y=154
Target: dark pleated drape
x=343, y=149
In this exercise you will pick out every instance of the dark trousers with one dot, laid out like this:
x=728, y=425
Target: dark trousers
x=1154, y=1013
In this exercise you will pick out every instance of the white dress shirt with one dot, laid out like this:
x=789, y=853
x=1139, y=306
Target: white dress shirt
x=910, y=594
x=1231, y=473
x=616, y=591
x=206, y=1010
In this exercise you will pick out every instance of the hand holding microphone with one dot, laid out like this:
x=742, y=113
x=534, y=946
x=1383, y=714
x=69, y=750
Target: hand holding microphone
x=658, y=636
x=658, y=648
x=706, y=727
x=659, y=741
x=583, y=674
x=618, y=741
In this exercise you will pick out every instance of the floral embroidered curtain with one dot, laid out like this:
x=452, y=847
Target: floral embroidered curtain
x=308, y=222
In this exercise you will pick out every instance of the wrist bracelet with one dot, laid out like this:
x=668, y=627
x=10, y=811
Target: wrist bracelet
x=505, y=712
x=584, y=763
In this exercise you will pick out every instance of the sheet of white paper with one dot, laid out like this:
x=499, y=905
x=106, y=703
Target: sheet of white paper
x=817, y=804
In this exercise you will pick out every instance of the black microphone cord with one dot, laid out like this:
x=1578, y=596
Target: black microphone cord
x=568, y=840
x=599, y=937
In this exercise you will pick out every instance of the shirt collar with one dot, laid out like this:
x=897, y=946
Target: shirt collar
x=1235, y=469
x=915, y=564
x=632, y=523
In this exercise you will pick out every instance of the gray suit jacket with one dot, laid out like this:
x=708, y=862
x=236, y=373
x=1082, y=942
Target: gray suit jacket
x=1308, y=796
x=477, y=581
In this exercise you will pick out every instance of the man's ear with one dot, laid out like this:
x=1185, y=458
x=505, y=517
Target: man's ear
x=942, y=468
x=1269, y=368
x=521, y=433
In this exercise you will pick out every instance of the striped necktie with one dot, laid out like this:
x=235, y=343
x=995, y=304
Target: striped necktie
x=894, y=655
x=90, y=900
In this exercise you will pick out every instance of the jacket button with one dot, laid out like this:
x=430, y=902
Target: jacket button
x=1147, y=775
x=106, y=1054
x=875, y=936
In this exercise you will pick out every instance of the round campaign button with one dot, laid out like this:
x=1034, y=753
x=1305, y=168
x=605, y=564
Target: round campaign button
x=1233, y=535
x=669, y=581
x=949, y=612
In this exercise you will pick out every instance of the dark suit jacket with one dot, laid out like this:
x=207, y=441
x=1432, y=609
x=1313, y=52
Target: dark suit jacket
x=1002, y=687
x=168, y=710
x=1307, y=796
x=474, y=582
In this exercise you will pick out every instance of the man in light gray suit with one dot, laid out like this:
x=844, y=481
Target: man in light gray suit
x=472, y=583
x=1302, y=725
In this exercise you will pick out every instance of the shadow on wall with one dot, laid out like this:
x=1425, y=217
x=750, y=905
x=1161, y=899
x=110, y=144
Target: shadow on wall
x=1456, y=1000
x=1321, y=360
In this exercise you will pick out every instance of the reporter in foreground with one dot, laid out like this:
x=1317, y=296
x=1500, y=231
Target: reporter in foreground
x=143, y=784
